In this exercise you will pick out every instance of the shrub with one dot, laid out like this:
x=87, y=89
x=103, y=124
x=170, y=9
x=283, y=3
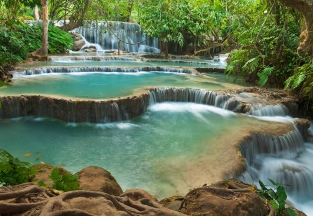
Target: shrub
x=13, y=171
x=276, y=198
x=64, y=182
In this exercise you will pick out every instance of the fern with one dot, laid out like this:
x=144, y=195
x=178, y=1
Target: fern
x=252, y=63
x=264, y=75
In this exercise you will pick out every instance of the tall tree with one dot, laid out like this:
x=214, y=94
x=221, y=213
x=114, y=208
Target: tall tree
x=42, y=52
x=305, y=7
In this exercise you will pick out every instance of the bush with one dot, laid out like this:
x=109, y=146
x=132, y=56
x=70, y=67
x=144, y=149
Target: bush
x=16, y=44
x=277, y=198
x=65, y=182
x=13, y=171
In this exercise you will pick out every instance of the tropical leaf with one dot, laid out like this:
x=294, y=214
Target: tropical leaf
x=264, y=75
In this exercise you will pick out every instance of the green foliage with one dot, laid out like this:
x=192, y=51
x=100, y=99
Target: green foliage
x=264, y=75
x=59, y=40
x=268, y=35
x=65, y=182
x=12, y=13
x=12, y=49
x=302, y=79
x=16, y=44
x=13, y=171
x=276, y=198
x=182, y=22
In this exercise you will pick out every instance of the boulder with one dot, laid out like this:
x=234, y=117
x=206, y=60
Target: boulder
x=173, y=203
x=303, y=125
x=79, y=42
x=225, y=198
x=95, y=178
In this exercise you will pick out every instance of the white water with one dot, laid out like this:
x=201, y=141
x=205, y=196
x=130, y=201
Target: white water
x=286, y=160
x=104, y=34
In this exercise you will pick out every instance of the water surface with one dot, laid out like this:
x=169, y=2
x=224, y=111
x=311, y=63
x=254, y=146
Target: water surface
x=93, y=85
x=136, y=152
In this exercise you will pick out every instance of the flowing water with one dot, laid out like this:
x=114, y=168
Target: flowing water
x=107, y=34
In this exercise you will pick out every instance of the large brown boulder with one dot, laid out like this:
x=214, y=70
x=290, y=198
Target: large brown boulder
x=225, y=198
x=79, y=42
x=95, y=178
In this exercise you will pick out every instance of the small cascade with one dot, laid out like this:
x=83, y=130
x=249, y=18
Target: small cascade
x=262, y=145
x=148, y=49
x=298, y=175
x=118, y=116
x=89, y=58
x=269, y=110
x=285, y=159
x=104, y=34
x=87, y=46
x=101, y=69
x=200, y=96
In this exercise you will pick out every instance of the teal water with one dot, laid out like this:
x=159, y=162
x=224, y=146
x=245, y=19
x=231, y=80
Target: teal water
x=136, y=152
x=108, y=85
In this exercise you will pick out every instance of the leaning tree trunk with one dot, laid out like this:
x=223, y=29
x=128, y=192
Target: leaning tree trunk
x=42, y=52
x=305, y=7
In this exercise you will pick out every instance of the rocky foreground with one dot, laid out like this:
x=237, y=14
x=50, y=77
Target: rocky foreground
x=102, y=195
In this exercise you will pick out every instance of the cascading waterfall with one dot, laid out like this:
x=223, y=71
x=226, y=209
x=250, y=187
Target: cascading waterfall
x=87, y=45
x=270, y=110
x=285, y=159
x=100, y=69
x=101, y=33
x=189, y=95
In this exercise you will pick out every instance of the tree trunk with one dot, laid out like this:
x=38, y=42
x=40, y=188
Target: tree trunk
x=36, y=13
x=166, y=50
x=42, y=52
x=306, y=37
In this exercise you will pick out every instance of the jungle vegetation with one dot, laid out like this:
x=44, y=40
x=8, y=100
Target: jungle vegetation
x=271, y=41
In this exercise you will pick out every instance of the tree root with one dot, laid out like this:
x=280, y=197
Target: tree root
x=7, y=208
x=27, y=191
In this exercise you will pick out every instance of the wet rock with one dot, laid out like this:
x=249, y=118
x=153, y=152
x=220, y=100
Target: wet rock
x=225, y=198
x=302, y=125
x=95, y=178
x=78, y=43
x=137, y=194
x=173, y=203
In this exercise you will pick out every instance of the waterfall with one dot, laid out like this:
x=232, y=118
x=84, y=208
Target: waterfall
x=101, y=33
x=261, y=145
x=269, y=110
x=101, y=69
x=90, y=58
x=118, y=116
x=285, y=159
x=200, y=96
x=88, y=45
